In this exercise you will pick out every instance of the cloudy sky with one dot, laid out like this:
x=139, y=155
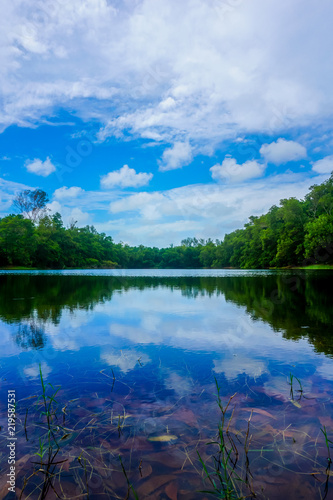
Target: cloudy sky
x=155, y=120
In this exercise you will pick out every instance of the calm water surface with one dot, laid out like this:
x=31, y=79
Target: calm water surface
x=136, y=354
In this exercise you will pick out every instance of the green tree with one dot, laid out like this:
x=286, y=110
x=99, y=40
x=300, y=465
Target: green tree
x=320, y=199
x=319, y=239
x=290, y=247
x=32, y=204
x=50, y=235
x=17, y=240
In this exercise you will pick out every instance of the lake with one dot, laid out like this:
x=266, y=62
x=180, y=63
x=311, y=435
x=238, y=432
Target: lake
x=136, y=356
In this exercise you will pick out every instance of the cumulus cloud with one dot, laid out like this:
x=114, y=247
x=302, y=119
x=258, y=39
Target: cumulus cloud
x=39, y=167
x=323, y=166
x=282, y=151
x=65, y=193
x=79, y=217
x=125, y=177
x=179, y=155
x=70, y=215
x=206, y=84
x=231, y=171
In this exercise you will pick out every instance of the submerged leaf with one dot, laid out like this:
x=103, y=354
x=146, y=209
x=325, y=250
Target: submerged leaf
x=150, y=486
x=171, y=490
x=165, y=438
x=65, y=436
x=260, y=411
x=295, y=403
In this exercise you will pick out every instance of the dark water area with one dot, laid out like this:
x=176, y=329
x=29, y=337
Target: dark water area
x=136, y=355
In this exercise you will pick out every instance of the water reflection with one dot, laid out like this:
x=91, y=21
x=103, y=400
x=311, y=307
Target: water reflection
x=30, y=335
x=143, y=351
x=299, y=306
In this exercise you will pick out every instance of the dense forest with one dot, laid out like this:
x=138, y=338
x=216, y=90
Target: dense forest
x=295, y=233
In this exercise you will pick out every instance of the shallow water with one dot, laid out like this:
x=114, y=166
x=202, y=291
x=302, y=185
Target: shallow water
x=136, y=354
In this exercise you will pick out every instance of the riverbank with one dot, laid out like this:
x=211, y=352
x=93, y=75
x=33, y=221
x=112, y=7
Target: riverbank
x=316, y=266
x=324, y=267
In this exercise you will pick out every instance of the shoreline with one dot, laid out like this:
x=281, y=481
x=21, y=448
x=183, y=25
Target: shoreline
x=323, y=267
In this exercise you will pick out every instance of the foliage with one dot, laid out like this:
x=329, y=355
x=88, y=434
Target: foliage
x=296, y=233
x=17, y=240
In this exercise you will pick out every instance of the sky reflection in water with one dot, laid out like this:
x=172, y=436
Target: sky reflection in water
x=166, y=335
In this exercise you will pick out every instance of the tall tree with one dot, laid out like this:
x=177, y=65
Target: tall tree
x=32, y=204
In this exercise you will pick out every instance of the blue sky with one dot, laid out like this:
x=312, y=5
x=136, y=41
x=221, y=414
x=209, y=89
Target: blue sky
x=155, y=120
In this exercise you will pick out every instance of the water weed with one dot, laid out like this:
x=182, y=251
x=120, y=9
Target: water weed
x=226, y=479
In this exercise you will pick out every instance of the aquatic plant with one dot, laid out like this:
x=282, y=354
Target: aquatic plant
x=70, y=466
x=48, y=444
x=226, y=479
x=291, y=383
x=129, y=484
x=327, y=442
x=329, y=461
x=53, y=436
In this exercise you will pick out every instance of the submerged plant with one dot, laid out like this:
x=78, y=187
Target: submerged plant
x=47, y=477
x=224, y=476
x=291, y=383
x=48, y=445
x=329, y=460
x=129, y=484
x=327, y=442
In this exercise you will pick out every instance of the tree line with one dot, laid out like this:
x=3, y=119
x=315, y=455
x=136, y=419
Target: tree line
x=297, y=232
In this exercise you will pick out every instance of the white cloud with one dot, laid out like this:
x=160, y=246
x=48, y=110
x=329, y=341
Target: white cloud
x=168, y=103
x=64, y=192
x=125, y=360
x=125, y=177
x=238, y=365
x=177, y=156
x=54, y=206
x=8, y=190
x=79, y=217
x=39, y=167
x=183, y=386
x=32, y=371
x=325, y=369
x=323, y=166
x=231, y=171
x=282, y=151
x=201, y=210
x=233, y=73
x=70, y=215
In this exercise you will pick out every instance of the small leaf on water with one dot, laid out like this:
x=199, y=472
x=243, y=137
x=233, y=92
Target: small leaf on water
x=165, y=438
x=295, y=403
